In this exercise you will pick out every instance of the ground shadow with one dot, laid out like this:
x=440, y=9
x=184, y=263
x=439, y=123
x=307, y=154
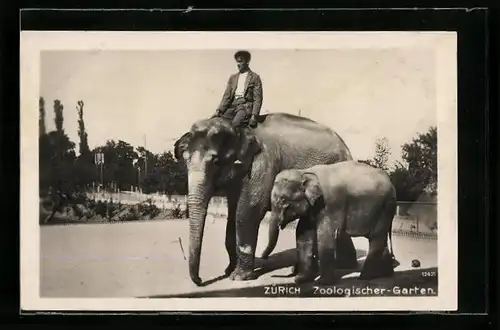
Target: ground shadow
x=413, y=282
x=280, y=260
x=287, y=258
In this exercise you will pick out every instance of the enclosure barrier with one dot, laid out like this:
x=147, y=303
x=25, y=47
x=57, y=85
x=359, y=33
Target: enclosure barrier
x=412, y=219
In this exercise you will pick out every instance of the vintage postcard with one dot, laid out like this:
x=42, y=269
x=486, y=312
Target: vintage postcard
x=309, y=171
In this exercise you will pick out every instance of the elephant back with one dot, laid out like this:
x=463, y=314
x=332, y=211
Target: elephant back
x=301, y=142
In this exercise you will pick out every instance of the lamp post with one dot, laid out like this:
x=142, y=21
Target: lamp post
x=99, y=161
x=138, y=177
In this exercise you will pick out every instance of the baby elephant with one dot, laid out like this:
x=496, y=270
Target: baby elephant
x=347, y=197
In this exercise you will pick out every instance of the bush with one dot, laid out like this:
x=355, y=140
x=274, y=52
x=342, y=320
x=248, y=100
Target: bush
x=76, y=208
x=176, y=213
x=100, y=209
x=149, y=209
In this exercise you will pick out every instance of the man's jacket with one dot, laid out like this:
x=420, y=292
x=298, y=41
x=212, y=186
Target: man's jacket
x=252, y=93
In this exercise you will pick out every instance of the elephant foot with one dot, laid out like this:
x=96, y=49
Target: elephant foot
x=385, y=268
x=346, y=257
x=243, y=275
x=295, y=270
x=346, y=263
x=369, y=273
x=367, y=276
x=326, y=280
x=304, y=278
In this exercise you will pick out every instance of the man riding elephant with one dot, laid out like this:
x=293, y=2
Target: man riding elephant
x=242, y=98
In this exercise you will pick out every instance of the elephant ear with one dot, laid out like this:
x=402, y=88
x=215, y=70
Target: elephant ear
x=311, y=187
x=181, y=145
x=250, y=147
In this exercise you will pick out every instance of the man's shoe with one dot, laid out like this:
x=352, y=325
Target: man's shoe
x=237, y=161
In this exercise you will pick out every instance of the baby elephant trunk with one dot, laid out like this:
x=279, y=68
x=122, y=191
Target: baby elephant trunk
x=275, y=224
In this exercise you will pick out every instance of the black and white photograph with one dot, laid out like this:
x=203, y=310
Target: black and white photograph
x=307, y=170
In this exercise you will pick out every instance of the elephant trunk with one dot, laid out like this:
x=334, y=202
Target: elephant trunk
x=274, y=228
x=198, y=198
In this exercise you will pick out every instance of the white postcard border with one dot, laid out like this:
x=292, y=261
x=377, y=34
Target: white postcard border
x=445, y=45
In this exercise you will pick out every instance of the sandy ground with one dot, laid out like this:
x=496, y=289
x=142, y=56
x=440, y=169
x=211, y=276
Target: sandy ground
x=144, y=259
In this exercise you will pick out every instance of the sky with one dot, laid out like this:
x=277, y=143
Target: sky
x=154, y=96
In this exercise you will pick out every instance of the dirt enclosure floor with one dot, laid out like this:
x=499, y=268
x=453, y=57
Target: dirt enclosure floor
x=144, y=259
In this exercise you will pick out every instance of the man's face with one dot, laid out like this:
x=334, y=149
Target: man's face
x=241, y=64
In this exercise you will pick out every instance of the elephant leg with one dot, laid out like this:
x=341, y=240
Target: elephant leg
x=326, y=246
x=345, y=252
x=247, y=227
x=296, y=266
x=378, y=262
x=388, y=263
x=251, y=209
x=232, y=203
x=306, y=266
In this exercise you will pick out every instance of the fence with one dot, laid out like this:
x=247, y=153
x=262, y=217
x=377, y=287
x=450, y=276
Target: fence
x=416, y=218
x=411, y=219
x=131, y=197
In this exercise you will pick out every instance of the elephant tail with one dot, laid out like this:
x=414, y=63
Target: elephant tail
x=392, y=207
x=391, y=250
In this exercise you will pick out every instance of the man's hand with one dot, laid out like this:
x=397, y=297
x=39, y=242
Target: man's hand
x=253, y=121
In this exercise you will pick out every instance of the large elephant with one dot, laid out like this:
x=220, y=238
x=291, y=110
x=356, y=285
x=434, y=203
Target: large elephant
x=280, y=141
x=347, y=197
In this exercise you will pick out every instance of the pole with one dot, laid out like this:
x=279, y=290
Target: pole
x=96, y=162
x=98, y=186
x=102, y=182
x=145, y=157
x=99, y=161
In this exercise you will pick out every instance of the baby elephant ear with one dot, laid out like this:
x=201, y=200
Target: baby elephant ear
x=181, y=145
x=312, y=189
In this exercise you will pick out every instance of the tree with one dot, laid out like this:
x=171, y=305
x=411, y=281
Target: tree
x=146, y=161
x=417, y=174
x=41, y=120
x=85, y=171
x=421, y=156
x=407, y=186
x=382, y=152
x=381, y=158
x=57, y=156
x=119, y=160
x=164, y=175
x=58, y=118
x=62, y=170
x=82, y=134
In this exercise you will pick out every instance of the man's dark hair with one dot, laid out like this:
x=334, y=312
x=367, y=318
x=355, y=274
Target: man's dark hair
x=245, y=55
